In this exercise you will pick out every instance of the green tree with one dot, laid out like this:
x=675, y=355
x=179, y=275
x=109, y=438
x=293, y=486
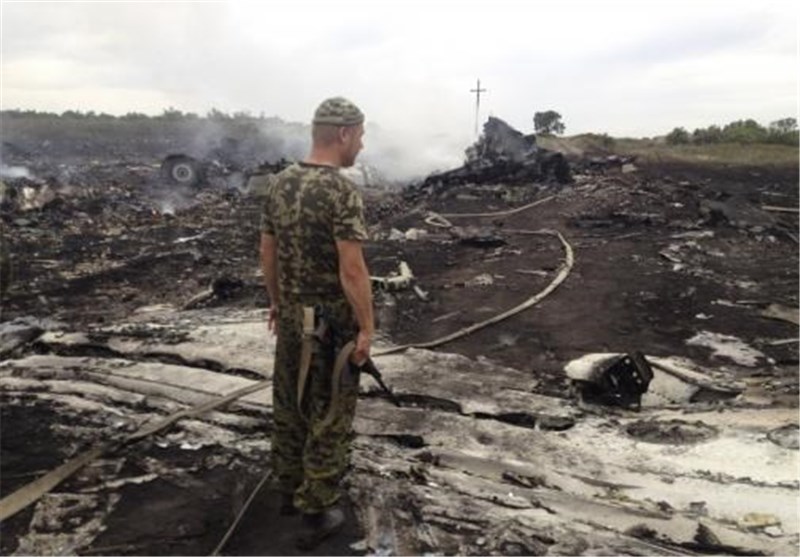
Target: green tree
x=744, y=131
x=678, y=136
x=548, y=122
x=216, y=114
x=784, y=125
x=703, y=136
x=172, y=114
x=783, y=131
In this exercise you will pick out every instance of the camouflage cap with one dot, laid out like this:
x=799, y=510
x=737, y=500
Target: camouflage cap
x=338, y=111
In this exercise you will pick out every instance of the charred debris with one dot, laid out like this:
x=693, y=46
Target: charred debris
x=600, y=421
x=502, y=155
x=93, y=231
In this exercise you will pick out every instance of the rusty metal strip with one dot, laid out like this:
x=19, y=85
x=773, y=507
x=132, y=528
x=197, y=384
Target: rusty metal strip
x=30, y=493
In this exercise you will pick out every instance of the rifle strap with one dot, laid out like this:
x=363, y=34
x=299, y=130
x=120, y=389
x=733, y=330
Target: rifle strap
x=306, y=351
x=342, y=359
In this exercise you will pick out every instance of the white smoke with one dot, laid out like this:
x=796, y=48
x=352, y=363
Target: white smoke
x=406, y=156
x=165, y=206
x=12, y=172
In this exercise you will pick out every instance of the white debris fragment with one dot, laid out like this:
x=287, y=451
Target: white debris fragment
x=728, y=346
x=694, y=234
x=191, y=238
x=398, y=281
x=415, y=233
x=84, y=513
x=186, y=446
x=758, y=521
x=484, y=279
x=702, y=316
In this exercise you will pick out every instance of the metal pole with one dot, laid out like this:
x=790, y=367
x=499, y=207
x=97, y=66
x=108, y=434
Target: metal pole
x=477, y=92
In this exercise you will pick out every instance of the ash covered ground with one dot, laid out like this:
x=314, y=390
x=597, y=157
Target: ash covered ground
x=670, y=259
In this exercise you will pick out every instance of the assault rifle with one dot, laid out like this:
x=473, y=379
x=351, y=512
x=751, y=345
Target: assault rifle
x=369, y=368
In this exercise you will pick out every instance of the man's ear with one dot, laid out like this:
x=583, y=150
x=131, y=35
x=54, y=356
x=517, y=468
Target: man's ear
x=343, y=134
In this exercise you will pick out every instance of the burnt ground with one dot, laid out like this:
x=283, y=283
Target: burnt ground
x=622, y=294
x=661, y=254
x=107, y=250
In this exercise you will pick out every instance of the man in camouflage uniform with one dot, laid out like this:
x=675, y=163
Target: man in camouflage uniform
x=311, y=253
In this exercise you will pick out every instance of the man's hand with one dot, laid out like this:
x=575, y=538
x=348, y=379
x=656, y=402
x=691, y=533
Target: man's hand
x=361, y=351
x=272, y=320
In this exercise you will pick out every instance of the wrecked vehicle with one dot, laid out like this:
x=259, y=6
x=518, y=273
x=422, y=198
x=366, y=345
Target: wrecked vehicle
x=183, y=170
x=502, y=155
x=228, y=160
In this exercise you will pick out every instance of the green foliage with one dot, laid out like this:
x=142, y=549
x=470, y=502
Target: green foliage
x=73, y=114
x=28, y=114
x=548, y=122
x=709, y=135
x=603, y=140
x=784, y=125
x=744, y=131
x=782, y=132
x=678, y=136
x=170, y=114
x=218, y=115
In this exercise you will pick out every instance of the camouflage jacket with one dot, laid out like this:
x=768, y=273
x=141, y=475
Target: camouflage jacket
x=307, y=208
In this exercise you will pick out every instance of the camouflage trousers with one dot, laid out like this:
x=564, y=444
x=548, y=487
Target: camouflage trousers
x=310, y=457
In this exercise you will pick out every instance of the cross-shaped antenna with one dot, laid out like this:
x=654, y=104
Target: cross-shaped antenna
x=477, y=92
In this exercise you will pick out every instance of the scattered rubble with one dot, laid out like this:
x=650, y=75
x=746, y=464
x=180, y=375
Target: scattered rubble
x=460, y=447
x=148, y=300
x=728, y=346
x=502, y=155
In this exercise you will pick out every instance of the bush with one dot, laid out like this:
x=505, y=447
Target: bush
x=782, y=132
x=678, y=136
x=711, y=134
x=744, y=131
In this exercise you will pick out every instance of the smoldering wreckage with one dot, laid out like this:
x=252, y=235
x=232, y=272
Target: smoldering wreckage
x=591, y=355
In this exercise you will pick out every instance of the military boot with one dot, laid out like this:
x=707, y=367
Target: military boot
x=317, y=527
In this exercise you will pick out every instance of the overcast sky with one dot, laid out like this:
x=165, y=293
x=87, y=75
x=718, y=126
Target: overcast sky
x=626, y=68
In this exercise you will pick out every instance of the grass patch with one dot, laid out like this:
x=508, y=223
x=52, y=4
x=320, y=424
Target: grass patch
x=656, y=150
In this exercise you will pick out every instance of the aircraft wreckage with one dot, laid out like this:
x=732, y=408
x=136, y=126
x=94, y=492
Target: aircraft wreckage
x=622, y=379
